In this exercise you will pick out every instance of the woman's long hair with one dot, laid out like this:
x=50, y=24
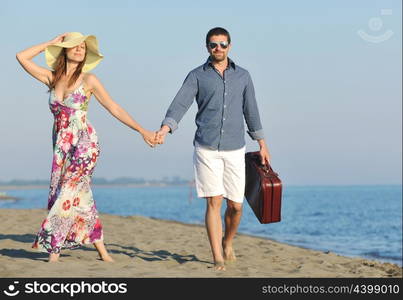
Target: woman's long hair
x=61, y=69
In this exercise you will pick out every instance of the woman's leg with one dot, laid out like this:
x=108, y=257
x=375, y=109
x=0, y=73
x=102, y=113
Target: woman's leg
x=102, y=252
x=53, y=257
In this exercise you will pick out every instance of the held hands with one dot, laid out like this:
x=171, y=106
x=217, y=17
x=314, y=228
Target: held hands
x=154, y=138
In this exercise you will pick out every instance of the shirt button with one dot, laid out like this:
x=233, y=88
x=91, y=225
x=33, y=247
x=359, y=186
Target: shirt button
x=223, y=119
x=222, y=131
x=225, y=106
x=225, y=94
x=224, y=81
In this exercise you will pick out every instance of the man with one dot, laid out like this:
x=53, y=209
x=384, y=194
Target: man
x=225, y=95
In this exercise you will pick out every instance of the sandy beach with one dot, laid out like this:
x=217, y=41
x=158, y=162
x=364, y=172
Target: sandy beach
x=144, y=247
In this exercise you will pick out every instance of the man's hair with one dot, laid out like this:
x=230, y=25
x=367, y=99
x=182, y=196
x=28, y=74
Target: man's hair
x=217, y=31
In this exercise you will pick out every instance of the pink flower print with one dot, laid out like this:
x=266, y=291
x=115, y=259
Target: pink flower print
x=79, y=98
x=81, y=170
x=66, y=140
x=82, y=149
x=76, y=201
x=53, y=241
x=71, y=236
x=58, y=162
x=94, y=157
x=62, y=120
x=80, y=222
x=73, y=182
x=44, y=223
x=96, y=232
x=66, y=205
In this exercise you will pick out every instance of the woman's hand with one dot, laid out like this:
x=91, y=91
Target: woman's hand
x=58, y=39
x=25, y=59
x=149, y=137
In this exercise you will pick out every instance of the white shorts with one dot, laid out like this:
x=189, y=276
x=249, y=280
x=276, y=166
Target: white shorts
x=220, y=173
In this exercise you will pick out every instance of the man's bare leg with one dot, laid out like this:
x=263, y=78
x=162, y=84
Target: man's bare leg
x=233, y=215
x=214, y=230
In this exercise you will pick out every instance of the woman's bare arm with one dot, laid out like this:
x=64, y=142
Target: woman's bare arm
x=116, y=110
x=25, y=59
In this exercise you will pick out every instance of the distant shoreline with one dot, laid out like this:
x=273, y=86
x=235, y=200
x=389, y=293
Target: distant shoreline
x=128, y=185
x=163, y=184
x=6, y=197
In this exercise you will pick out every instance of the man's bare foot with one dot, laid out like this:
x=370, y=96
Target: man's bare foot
x=53, y=257
x=229, y=254
x=107, y=258
x=219, y=266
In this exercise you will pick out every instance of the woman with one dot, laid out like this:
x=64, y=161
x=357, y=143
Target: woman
x=73, y=218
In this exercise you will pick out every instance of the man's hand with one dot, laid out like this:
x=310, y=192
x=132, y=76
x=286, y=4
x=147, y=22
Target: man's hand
x=264, y=152
x=160, y=134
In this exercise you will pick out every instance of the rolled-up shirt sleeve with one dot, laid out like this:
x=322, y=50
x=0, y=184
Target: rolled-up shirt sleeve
x=251, y=112
x=182, y=102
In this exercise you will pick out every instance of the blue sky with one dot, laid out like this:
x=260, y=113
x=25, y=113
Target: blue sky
x=330, y=101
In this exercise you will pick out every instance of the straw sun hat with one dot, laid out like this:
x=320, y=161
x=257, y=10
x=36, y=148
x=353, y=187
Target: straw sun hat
x=71, y=40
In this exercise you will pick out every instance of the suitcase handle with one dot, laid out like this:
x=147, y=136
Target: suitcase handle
x=265, y=168
x=268, y=170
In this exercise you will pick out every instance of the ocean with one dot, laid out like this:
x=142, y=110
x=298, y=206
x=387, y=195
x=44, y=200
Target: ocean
x=356, y=221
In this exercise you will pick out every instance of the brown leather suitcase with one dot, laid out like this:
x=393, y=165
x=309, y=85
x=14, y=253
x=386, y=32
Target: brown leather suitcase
x=262, y=189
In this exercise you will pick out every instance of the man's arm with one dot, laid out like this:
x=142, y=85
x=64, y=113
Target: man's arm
x=179, y=106
x=252, y=118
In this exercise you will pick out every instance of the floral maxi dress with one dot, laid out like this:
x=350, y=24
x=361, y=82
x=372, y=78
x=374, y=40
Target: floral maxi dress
x=72, y=218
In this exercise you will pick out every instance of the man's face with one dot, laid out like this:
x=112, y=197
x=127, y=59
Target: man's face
x=216, y=47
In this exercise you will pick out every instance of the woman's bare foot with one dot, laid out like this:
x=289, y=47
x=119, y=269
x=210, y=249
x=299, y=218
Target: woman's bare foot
x=229, y=254
x=107, y=258
x=219, y=266
x=53, y=257
x=103, y=254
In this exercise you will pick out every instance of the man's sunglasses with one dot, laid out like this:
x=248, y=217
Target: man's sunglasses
x=214, y=45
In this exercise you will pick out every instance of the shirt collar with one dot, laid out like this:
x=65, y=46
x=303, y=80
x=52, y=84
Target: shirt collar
x=208, y=63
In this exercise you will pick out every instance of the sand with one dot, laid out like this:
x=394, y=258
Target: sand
x=144, y=247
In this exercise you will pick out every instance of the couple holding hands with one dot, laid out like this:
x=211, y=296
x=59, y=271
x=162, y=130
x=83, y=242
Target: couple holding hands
x=225, y=97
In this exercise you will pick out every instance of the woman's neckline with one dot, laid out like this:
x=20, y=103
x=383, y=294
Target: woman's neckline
x=69, y=93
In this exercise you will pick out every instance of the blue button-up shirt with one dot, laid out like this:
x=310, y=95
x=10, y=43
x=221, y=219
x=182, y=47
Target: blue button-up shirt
x=223, y=103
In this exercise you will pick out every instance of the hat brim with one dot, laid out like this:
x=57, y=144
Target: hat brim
x=93, y=57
